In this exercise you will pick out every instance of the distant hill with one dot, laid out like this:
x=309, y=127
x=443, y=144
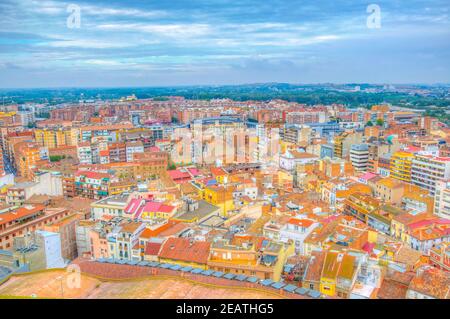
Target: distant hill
x=352, y=95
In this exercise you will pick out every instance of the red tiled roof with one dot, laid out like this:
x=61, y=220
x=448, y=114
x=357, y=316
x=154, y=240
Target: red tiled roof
x=176, y=175
x=184, y=250
x=426, y=222
x=432, y=282
x=301, y=222
x=20, y=213
x=368, y=176
x=194, y=171
x=173, y=229
x=148, y=233
x=91, y=174
x=152, y=249
x=133, y=206
x=217, y=171
x=157, y=207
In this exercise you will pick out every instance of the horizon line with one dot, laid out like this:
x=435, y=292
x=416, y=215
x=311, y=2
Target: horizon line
x=222, y=85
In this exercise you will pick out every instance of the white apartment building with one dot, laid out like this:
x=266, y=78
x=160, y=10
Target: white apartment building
x=133, y=148
x=426, y=170
x=122, y=240
x=84, y=153
x=291, y=158
x=297, y=229
x=46, y=183
x=442, y=199
x=26, y=117
x=359, y=156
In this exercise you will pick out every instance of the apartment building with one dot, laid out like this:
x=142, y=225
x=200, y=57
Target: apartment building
x=133, y=148
x=20, y=221
x=440, y=256
x=84, y=153
x=344, y=141
x=92, y=184
x=26, y=156
x=400, y=166
x=123, y=238
x=244, y=257
x=53, y=138
x=359, y=157
x=442, y=199
x=426, y=170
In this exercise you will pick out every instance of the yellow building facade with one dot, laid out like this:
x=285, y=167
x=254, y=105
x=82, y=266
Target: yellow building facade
x=400, y=166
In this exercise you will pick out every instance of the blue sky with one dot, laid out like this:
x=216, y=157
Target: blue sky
x=171, y=42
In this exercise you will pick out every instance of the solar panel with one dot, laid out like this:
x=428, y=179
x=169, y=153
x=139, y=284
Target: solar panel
x=300, y=291
x=240, y=277
x=267, y=282
x=278, y=285
x=101, y=260
x=165, y=266
x=186, y=269
x=229, y=276
x=143, y=263
x=196, y=270
x=218, y=274
x=121, y=262
x=252, y=279
x=290, y=288
x=207, y=272
x=175, y=267
x=314, y=293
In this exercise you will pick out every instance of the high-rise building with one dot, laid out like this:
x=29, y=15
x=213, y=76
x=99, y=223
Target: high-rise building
x=359, y=156
x=53, y=138
x=400, y=167
x=426, y=170
x=442, y=199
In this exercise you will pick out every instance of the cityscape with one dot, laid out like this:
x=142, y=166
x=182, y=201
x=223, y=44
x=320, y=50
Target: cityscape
x=276, y=179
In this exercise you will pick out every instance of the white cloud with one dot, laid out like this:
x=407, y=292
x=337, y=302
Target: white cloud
x=124, y=12
x=58, y=7
x=165, y=30
x=87, y=44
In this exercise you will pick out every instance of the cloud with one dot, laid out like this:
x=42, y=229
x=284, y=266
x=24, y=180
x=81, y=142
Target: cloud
x=164, y=30
x=232, y=40
x=122, y=12
x=86, y=44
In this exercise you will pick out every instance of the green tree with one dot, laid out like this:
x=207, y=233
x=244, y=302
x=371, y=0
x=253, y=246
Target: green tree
x=56, y=158
x=380, y=122
x=369, y=123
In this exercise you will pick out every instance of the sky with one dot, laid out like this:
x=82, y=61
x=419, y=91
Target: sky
x=213, y=42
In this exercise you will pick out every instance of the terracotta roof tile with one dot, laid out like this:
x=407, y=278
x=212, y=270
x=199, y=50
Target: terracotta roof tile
x=186, y=250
